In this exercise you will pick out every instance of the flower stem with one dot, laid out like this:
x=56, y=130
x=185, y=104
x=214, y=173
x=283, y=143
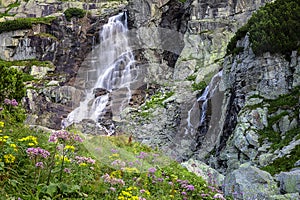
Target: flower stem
x=51, y=164
x=62, y=164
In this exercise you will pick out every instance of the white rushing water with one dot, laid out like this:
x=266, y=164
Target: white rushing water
x=207, y=94
x=114, y=64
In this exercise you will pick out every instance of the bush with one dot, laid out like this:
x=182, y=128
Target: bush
x=11, y=84
x=273, y=28
x=26, y=23
x=74, y=12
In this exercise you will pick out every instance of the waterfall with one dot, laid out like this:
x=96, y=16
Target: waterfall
x=207, y=94
x=115, y=62
x=204, y=99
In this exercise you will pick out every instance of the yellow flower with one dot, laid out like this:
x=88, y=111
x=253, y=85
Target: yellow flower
x=116, y=174
x=9, y=158
x=115, y=155
x=5, y=137
x=131, y=170
x=72, y=148
x=2, y=139
x=82, y=164
x=30, y=144
x=1, y=124
x=29, y=138
x=13, y=145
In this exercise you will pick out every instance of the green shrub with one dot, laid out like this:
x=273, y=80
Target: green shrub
x=11, y=84
x=273, y=28
x=26, y=23
x=74, y=12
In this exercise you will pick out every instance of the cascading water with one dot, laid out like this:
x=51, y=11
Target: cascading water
x=207, y=94
x=114, y=72
x=203, y=98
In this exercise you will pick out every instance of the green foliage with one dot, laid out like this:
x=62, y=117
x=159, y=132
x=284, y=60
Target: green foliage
x=23, y=23
x=123, y=169
x=273, y=28
x=74, y=12
x=157, y=100
x=191, y=77
x=285, y=163
x=199, y=86
x=11, y=83
x=284, y=102
x=231, y=47
x=26, y=63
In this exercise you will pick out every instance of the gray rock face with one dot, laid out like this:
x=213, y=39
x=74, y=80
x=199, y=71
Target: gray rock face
x=289, y=181
x=291, y=196
x=249, y=182
x=212, y=176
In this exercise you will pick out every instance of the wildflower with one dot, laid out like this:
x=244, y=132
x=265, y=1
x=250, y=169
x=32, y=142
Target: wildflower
x=30, y=144
x=1, y=109
x=7, y=101
x=9, y=158
x=219, y=196
x=152, y=170
x=112, y=189
x=84, y=160
x=1, y=124
x=183, y=193
x=14, y=102
x=39, y=164
x=33, y=152
x=65, y=136
x=2, y=139
x=113, y=181
x=142, y=155
x=69, y=147
x=190, y=187
x=82, y=164
x=114, y=151
x=67, y=170
x=29, y=138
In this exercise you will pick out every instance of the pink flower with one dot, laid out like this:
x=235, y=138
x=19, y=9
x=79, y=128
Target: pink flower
x=34, y=152
x=39, y=164
x=65, y=136
x=190, y=187
x=67, y=170
x=14, y=102
x=152, y=170
x=7, y=101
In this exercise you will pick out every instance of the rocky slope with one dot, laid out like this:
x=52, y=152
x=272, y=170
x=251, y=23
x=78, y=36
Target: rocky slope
x=223, y=114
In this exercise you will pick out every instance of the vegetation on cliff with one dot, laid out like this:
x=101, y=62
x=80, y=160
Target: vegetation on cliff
x=23, y=23
x=74, y=12
x=273, y=28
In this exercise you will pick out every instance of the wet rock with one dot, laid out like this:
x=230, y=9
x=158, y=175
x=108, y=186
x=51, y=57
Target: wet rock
x=100, y=92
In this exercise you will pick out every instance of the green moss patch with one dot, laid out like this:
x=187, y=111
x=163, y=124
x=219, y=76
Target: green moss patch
x=285, y=163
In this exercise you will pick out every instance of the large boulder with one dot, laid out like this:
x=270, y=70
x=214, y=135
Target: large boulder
x=289, y=181
x=249, y=182
x=209, y=174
